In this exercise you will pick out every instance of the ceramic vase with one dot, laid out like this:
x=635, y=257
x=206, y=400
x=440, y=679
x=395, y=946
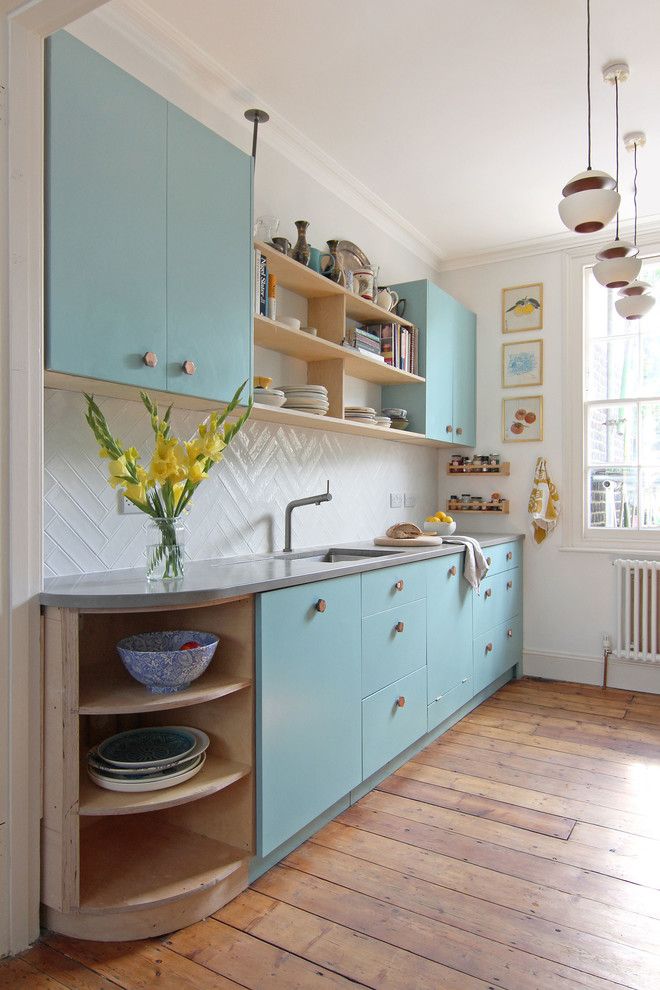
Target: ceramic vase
x=301, y=250
x=337, y=274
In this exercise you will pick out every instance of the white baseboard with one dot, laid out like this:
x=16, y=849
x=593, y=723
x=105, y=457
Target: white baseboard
x=589, y=670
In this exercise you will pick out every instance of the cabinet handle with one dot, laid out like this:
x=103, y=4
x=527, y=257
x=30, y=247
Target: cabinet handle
x=150, y=359
x=452, y=570
x=448, y=429
x=399, y=585
x=459, y=431
x=465, y=680
x=400, y=701
x=489, y=647
x=439, y=698
x=489, y=560
x=399, y=627
x=509, y=633
x=509, y=556
x=509, y=585
x=189, y=367
x=488, y=592
x=321, y=605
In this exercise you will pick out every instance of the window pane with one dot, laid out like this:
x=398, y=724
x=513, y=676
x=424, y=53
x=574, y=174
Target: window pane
x=613, y=369
x=602, y=317
x=612, y=434
x=650, y=365
x=649, y=498
x=649, y=433
x=612, y=498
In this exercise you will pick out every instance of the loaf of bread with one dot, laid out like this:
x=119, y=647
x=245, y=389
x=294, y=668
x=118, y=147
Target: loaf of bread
x=404, y=531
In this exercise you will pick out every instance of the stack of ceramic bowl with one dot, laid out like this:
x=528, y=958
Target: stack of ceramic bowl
x=398, y=417
x=306, y=398
x=148, y=759
x=384, y=421
x=269, y=396
x=361, y=414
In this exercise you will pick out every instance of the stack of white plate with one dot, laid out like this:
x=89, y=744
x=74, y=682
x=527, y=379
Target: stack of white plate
x=306, y=398
x=384, y=421
x=361, y=414
x=269, y=396
x=148, y=759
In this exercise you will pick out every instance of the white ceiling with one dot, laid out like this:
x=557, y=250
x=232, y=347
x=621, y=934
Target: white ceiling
x=466, y=118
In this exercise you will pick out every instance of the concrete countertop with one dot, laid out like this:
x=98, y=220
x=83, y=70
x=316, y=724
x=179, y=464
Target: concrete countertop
x=228, y=577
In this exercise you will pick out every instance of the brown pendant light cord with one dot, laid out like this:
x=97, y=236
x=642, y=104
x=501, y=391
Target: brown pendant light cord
x=616, y=146
x=635, y=192
x=588, y=85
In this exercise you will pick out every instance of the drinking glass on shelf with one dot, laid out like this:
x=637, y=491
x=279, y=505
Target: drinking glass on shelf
x=265, y=228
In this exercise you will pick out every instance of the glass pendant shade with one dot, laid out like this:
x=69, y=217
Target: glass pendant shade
x=634, y=301
x=590, y=201
x=618, y=264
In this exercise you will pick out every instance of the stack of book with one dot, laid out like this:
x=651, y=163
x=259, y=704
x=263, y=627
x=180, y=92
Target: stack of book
x=399, y=346
x=366, y=340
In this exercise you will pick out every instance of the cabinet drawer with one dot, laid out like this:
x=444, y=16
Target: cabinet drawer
x=392, y=586
x=388, y=729
x=504, y=556
x=393, y=644
x=496, y=652
x=446, y=704
x=499, y=600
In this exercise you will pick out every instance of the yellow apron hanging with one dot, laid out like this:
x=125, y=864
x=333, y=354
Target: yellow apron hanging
x=544, y=502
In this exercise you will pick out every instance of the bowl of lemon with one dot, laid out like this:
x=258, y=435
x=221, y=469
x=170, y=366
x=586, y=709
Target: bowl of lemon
x=440, y=523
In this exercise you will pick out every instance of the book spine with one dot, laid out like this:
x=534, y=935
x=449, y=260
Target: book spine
x=263, y=286
x=255, y=275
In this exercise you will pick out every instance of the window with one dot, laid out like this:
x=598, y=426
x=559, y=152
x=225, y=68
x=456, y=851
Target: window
x=621, y=410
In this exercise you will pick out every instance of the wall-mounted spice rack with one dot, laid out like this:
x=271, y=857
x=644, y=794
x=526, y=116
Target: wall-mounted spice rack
x=458, y=505
x=476, y=469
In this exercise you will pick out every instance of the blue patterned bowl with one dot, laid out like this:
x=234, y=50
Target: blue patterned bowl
x=156, y=659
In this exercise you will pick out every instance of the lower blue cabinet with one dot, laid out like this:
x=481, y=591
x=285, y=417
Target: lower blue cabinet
x=393, y=644
x=497, y=651
x=393, y=719
x=308, y=704
x=449, y=638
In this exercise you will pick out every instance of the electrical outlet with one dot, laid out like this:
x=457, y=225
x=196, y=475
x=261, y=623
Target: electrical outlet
x=126, y=508
x=396, y=500
x=410, y=500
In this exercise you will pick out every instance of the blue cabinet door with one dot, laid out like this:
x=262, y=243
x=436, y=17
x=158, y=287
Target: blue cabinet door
x=439, y=363
x=209, y=251
x=105, y=230
x=309, y=750
x=465, y=376
x=449, y=638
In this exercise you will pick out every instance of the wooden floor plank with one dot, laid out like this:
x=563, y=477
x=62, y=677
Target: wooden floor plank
x=609, y=729
x=578, y=690
x=372, y=962
x=528, y=706
x=65, y=970
x=523, y=933
x=645, y=851
x=599, y=706
x=16, y=974
x=405, y=798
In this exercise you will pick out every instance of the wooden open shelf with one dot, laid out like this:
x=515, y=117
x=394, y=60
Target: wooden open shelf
x=492, y=508
x=292, y=417
x=111, y=690
x=215, y=775
x=298, y=344
x=483, y=470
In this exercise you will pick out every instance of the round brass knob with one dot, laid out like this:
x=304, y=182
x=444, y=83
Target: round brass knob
x=150, y=359
x=509, y=585
x=459, y=431
x=489, y=647
x=509, y=556
x=452, y=570
x=399, y=627
x=399, y=585
x=488, y=592
x=448, y=429
x=400, y=701
x=189, y=367
x=509, y=633
x=321, y=605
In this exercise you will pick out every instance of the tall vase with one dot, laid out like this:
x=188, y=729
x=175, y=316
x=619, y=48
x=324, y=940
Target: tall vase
x=165, y=549
x=337, y=273
x=301, y=248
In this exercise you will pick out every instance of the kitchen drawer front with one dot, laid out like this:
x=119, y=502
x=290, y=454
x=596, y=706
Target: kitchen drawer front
x=392, y=586
x=504, y=556
x=393, y=644
x=496, y=652
x=388, y=729
x=449, y=703
x=500, y=599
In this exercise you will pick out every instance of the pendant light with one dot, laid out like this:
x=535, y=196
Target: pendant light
x=590, y=198
x=635, y=300
x=618, y=264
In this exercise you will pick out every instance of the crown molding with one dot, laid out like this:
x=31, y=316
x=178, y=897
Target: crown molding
x=145, y=34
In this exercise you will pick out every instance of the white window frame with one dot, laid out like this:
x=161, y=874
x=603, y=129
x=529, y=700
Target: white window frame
x=577, y=534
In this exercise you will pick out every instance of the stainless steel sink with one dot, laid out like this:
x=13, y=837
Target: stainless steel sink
x=336, y=555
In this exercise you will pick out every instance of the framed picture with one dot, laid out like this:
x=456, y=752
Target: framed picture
x=522, y=308
x=522, y=363
x=522, y=418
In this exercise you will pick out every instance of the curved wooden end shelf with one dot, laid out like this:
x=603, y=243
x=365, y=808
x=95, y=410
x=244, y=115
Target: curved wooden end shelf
x=113, y=692
x=292, y=417
x=215, y=775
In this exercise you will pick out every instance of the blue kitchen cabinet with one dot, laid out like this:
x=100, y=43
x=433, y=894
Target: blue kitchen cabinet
x=105, y=230
x=444, y=408
x=309, y=732
x=449, y=638
x=209, y=253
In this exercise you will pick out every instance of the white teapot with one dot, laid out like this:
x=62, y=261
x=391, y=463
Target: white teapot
x=387, y=298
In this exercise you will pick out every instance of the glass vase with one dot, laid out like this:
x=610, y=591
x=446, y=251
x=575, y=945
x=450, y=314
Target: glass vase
x=165, y=550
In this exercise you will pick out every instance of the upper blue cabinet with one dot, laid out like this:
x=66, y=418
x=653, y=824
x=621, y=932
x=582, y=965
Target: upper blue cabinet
x=148, y=235
x=445, y=407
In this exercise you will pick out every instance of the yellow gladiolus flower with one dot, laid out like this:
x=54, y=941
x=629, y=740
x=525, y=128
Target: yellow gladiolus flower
x=117, y=470
x=196, y=472
x=137, y=493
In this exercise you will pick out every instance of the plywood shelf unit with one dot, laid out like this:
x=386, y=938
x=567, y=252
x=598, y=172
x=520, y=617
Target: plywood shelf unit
x=130, y=865
x=329, y=306
x=491, y=508
x=481, y=470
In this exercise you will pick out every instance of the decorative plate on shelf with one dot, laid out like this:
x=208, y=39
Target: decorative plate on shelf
x=153, y=746
x=352, y=256
x=155, y=782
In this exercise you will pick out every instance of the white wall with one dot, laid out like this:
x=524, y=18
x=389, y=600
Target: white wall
x=569, y=595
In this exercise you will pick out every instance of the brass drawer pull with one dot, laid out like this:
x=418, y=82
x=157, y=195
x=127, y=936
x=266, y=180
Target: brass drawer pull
x=399, y=585
x=399, y=627
x=489, y=647
x=448, y=429
x=150, y=359
x=189, y=367
x=509, y=585
x=488, y=592
x=400, y=701
x=321, y=605
x=452, y=570
x=509, y=556
x=459, y=431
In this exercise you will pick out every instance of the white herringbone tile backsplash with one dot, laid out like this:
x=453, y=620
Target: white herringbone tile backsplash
x=240, y=508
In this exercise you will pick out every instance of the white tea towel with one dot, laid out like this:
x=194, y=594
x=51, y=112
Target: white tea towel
x=544, y=502
x=474, y=565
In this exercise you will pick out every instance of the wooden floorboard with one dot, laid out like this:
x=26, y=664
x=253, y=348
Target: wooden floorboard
x=520, y=851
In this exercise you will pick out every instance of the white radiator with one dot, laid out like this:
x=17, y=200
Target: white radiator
x=637, y=587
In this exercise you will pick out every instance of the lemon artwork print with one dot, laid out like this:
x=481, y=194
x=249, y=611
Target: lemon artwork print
x=522, y=308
